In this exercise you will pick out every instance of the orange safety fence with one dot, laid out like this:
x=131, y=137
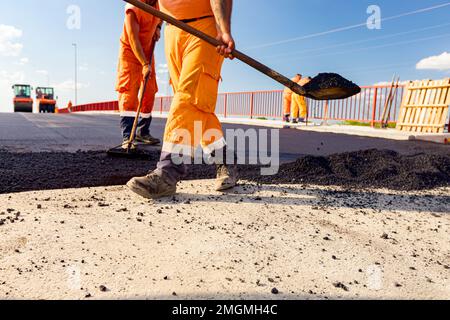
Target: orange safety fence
x=365, y=107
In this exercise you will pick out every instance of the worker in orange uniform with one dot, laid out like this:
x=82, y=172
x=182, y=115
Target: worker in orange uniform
x=195, y=70
x=139, y=32
x=287, y=99
x=299, y=104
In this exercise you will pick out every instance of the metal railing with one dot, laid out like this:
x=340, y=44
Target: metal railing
x=365, y=107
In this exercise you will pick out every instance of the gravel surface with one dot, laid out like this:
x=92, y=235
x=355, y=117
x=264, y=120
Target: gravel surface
x=361, y=225
x=255, y=242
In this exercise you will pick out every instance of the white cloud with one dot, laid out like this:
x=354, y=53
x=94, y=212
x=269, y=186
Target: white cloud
x=440, y=62
x=84, y=67
x=70, y=85
x=42, y=72
x=23, y=61
x=162, y=68
x=8, y=45
x=387, y=83
x=11, y=78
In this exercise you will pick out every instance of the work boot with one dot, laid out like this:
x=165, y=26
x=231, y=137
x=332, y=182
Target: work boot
x=294, y=121
x=148, y=139
x=286, y=118
x=152, y=186
x=227, y=177
x=125, y=144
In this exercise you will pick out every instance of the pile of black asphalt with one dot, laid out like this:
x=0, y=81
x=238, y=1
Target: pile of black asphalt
x=367, y=169
x=331, y=86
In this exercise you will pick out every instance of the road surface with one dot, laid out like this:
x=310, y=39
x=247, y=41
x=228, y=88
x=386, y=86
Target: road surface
x=73, y=132
x=70, y=227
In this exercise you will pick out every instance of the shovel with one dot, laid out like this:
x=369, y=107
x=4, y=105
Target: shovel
x=325, y=86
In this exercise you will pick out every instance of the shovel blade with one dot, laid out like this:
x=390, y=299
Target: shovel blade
x=330, y=86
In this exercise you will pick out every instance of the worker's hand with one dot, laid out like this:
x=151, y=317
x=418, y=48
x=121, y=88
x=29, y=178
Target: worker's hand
x=146, y=71
x=157, y=35
x=228, y=46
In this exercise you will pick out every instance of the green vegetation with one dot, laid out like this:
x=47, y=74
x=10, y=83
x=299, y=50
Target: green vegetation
x=367, y=124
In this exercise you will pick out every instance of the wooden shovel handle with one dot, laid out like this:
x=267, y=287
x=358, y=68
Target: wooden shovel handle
x=214, y=42
x=141, y=99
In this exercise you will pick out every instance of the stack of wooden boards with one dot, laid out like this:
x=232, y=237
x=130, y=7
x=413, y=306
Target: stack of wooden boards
x=393, y=92
x=425, y=106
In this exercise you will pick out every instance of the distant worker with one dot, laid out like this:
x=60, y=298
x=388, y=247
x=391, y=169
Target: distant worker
x=139, y=31
x=299, y=104
x=195, y=68
x=39, y=93
x=69, y=106
x=287, y=99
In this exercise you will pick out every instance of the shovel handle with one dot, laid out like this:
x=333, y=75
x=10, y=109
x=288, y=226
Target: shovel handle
x=214, y=42
x=141, y=100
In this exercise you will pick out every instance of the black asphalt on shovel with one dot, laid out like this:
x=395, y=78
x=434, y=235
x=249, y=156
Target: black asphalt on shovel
x=129, y=152
x=325, y=86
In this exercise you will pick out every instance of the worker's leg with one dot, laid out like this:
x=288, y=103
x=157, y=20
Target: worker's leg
x=128, y=84
x=143, y=131
x=195, y=68
x=286, y=107
x=198, y=87
x=196, y=91
x=303, y=109
x=166, y=167
x=295, y=108
x=145, y=119
x=126, y=124
x=163, y=180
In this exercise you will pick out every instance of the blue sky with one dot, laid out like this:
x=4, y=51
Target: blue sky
x=36, y=45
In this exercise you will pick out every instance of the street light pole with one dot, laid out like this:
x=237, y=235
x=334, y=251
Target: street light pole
x=76, y=73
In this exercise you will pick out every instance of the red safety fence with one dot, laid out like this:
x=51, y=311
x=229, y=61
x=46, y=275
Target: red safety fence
x=365, y=107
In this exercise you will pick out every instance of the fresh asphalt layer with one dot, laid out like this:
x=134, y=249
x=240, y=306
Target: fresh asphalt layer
x=73, y=132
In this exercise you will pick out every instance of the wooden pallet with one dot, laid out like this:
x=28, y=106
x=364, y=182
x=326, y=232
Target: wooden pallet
x=425, y=106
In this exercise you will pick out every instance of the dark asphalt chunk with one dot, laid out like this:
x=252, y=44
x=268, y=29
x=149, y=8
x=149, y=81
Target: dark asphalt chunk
x=327, y=86
x=340, y=285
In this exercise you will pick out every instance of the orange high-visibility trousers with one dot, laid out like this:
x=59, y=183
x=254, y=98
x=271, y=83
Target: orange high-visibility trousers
x=129, y=82
x=287, y=101
x=299, y=106
x=195, y=68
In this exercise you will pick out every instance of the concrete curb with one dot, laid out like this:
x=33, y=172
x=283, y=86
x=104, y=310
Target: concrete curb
x=443, y=138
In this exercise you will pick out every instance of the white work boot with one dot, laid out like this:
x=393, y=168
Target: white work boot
x=152, y=186
x=227, y=177
x=148, y=139
x=125, y=145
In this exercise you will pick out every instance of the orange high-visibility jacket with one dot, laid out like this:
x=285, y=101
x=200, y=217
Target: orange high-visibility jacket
x=186, y=9
x=129, y=78
x=147, y=28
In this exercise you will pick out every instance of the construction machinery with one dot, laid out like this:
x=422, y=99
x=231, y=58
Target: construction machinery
x=22, y=98
x=45, y=98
